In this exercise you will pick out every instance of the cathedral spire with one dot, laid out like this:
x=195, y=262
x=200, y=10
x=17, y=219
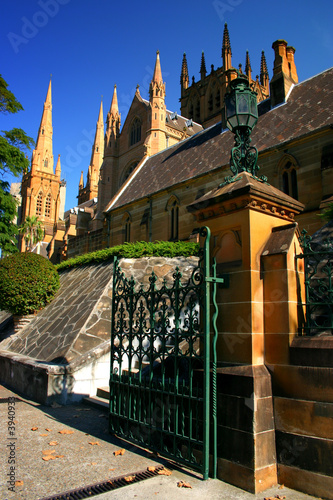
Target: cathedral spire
x=203, y=70
x=184, y=78
x=58, y=168
x=226, y=49
x=157, y=77
x=42, y=157
x=114, y=110
x=264, y=78
x=248, y=66
x=81, y=183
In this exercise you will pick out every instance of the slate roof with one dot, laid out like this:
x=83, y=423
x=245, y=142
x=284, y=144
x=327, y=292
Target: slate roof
x=308, y=108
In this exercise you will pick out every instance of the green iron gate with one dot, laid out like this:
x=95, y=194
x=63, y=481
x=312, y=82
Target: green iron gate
x=161, y=372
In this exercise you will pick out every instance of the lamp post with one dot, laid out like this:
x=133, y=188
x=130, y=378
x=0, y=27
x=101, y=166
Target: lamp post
x=241, y=115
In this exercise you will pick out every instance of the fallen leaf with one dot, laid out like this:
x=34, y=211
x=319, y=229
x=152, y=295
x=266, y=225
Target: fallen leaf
x=48, y=457
x=34, y=428
x=119, y=452
x=151, y=469
x=129, y=478
x=18, y=483
x=66, y=431
x=43, y=434
x=281, y=486
x=48, y=452
x=93, y=463
x=53, y=443
x=164, y=472
x=183, y=484
x=48, y=430
x=59, y=456
x=112, y=469
x=94, y=443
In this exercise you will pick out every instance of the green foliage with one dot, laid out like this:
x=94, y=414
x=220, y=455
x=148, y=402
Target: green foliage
x=132, y=251
x=327, y=213
x=27, y=283
x=8, y=209
x=32, y=231
x=14, y=145
x=8, y=102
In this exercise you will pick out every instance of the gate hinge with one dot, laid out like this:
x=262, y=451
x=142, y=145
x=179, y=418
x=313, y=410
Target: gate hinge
x=222, y=280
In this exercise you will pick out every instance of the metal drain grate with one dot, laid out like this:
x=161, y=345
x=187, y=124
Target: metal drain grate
x=103, y=487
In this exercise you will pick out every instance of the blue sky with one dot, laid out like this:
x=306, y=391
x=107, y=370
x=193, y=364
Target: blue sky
x=90, y=45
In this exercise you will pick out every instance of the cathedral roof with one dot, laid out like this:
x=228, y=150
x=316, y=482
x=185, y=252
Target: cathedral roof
x=308, y=108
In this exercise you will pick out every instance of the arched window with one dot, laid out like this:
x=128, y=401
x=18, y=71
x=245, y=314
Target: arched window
x=288, y=171
x=46, y=163
x=210, y=103
x=128, y=172
x=218, y=99
x=39, y=204
x=48, y=206
x=197, y=111
x=173, y=209
x=126, y=223
x=135, y=133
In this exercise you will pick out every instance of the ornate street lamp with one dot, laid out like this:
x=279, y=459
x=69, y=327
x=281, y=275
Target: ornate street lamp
x=241, y=114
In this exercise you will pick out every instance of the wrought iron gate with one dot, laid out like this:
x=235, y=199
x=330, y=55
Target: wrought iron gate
x=318, y=279
x=160, y=364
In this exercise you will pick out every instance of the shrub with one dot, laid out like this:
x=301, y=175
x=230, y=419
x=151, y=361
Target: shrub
x=133, y=251
x=27, y=283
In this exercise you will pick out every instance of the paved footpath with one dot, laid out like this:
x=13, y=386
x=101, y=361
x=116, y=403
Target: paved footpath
x=56, y=449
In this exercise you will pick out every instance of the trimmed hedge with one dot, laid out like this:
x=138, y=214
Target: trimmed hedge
x=133, y=251
x=27, y=283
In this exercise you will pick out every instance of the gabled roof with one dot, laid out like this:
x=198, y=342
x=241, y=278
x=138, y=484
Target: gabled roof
x=308, y=108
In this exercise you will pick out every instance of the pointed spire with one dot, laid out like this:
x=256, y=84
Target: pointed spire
x=58, y=168
x=81, y=183
x=48, y=100
x=226, y=49
x=263, y=69
x=43, y=152
x=114, y=104
x=157, y=77
x=184, y=78
x=203, y=70
x=157, y=86
x=248, y=68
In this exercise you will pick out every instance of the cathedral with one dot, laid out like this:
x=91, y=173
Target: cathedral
x=124, y=198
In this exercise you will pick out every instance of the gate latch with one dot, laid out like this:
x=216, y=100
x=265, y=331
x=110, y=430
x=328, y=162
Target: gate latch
x=222, y=280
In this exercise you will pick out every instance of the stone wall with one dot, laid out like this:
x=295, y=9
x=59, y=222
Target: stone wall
x=63, y=354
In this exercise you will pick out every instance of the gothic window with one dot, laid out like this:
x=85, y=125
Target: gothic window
x=210, y=103
x=46, y=162
x=39, y=204
x=289, y=177
x=197, y=111
x=127, y=228
x=135, y=133
x=218, y=99
x=190, y=111
x=327, y=157
x=173, y=210
x=128, y=172
x=48, y=206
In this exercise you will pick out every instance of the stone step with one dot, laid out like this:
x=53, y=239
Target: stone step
x=103, y=392
x=97, y=402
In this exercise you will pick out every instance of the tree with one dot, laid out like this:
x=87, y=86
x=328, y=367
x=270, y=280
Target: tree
x=14, y=145
x=32, y=231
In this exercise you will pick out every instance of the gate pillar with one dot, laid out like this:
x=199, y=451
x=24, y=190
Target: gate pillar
x=242, y=213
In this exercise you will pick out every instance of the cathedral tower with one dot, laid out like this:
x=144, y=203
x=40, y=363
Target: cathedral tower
x=42, y=190
x=91, y=189
x=158, y=110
